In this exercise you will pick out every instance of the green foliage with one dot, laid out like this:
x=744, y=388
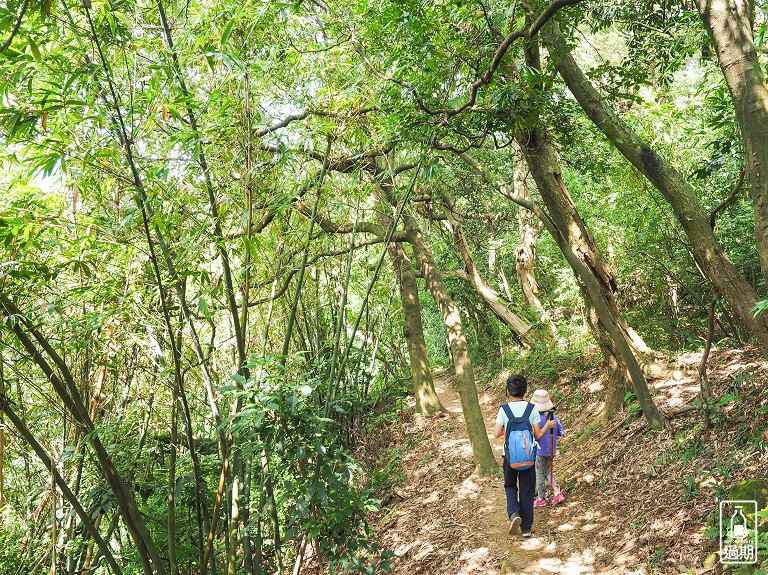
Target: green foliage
x=373, y=78
x=546, y=365
x=760, y=307
x=12, y=537
x=434, y=331
x=683, y=450
x=691, y=488
x=633, y=406
x=317, y=485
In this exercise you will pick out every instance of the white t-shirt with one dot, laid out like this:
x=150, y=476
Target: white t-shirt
x=518, y=409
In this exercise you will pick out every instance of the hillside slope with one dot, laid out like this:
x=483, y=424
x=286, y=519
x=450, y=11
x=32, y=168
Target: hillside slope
x=637, y=501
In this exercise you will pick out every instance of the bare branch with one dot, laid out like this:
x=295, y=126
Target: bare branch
x=729, y=200
x=281, y=124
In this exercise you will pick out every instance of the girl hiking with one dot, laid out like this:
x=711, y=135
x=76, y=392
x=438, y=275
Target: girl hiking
x=519, y=481
x=547, y=449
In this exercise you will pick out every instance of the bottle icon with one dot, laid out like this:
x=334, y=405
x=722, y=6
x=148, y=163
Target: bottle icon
x=738, y=524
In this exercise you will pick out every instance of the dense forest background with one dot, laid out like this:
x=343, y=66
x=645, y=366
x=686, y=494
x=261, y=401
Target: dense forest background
x=237, y=238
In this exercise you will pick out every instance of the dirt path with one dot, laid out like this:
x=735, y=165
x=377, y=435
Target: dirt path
x=553, y=548
x=637, y=502
x=449, y=522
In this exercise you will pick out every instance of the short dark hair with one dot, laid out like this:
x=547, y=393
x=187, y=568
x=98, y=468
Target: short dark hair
x=517, y=385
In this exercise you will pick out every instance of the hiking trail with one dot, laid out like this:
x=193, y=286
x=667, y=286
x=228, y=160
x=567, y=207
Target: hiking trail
x=637, y=502
x=425, y=540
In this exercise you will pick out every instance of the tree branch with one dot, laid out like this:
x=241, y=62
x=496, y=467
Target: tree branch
x=498, y=56
x=16, y=27
x=729, y=200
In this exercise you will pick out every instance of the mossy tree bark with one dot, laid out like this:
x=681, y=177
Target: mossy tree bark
x=529, y=228
x=552, y=186
x=427, y=401
x=485, y=462
x=730, y=24
x=706, y=248
x=596, y=278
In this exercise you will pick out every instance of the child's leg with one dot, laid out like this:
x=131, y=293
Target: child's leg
x=558, y=496
x=527, y=479
x=542, y=472
x=510, y=489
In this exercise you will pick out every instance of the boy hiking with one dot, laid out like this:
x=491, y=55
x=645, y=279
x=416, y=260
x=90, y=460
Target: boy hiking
x=546, y=451
x=518, y=421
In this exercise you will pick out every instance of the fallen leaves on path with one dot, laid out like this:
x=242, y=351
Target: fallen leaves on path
x=637, y=502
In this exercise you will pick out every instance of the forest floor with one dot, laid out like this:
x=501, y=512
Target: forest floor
x=637, y=501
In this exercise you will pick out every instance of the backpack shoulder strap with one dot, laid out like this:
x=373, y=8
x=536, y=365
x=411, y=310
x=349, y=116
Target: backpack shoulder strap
x=528, y=410
x=510, y=417
x=527, y=418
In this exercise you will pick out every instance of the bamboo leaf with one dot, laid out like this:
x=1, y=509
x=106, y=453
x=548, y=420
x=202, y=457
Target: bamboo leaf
x=35, y=50
x=227, y=32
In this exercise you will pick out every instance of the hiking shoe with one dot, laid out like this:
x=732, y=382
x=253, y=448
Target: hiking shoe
x=527, y=533
x=514, y=524
x=559, y=498
x=540, y=502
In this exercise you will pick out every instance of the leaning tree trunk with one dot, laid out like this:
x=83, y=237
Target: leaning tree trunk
x=707, y=251
x=59, y=375
x=594, y=274
x=730, y=25
x=521, y=328
x=529, y=228
x=485, y=462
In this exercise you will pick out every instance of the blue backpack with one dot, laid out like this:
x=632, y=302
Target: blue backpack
x=519, y=444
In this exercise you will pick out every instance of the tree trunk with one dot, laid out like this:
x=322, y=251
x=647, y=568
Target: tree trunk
x=85, y=518
x=2, y=431
x=544, y=165
x=173, y=567
x=672, y=184
x=2, y=458
x=485, y=462
x=500, y=269
x=730, y=25
x=553, y=187
x=427, y=401
x=521, y=328
x=65, y=388
x=596, y=278
x=529, y=228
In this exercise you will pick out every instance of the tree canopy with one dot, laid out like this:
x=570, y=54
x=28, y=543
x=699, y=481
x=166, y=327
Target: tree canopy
x=237, y=236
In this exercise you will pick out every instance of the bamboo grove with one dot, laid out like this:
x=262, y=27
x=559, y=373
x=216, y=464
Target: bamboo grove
x=235, y=236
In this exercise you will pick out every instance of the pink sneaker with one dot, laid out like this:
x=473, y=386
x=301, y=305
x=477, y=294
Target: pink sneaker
x=559, y=498
x=540, y=502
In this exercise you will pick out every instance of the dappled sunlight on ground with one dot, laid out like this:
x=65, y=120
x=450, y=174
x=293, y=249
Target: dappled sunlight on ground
x=473, y=560
x=576, y=564
x=637, y=502
x=462, y=447
x=469, y=487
